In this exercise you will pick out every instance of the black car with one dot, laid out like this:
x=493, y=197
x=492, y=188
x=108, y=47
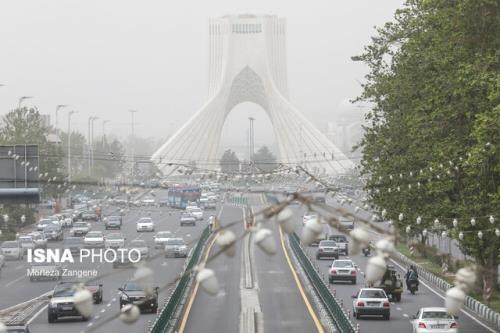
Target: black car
x=113, y=222
x=132, y=293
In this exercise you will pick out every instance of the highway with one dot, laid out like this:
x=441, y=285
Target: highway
x=17, y=288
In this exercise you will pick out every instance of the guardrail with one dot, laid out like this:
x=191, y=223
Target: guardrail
x=166, y=318
x=476, y=307
x=332, y=306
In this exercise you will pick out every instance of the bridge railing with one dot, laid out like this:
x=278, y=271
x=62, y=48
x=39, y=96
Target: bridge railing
x=332, y=306
x=166, y=320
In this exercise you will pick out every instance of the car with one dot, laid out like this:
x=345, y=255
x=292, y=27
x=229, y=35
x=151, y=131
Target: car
x=342, y=243
x=141, y=246
x=163, y=202
x=328, y=249
x=39, y=239
x=43, y=223
x=74, y=244
x=62, y=304
x=342, y=270
x=67, y=222
x=94, y=239
x=187, y=218
x=176, y=247
x=80, y=229
x=196, y=212
x=114, y=240
x=133, y=293
x=12, y=250
x=45, y=271
x=347, y=222
x=89, y=216
x=53, y=232
x=371, y=302
x=113, y=222
x=26, y=243
x=145, y=224
x=96, y=290
x=308, y=216
x=435, y=319
x=123, y=259
x=161, y=238
x=148, y=202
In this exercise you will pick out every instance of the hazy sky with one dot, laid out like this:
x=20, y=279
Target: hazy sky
x=104, y=57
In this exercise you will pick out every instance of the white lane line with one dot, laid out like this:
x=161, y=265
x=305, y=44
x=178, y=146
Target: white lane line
x=97, y=317
x=114, y=299
x=14, y=281
x=90, y=324
x=438, y=294
x=108, y=305
x=405, y=315
x=103, y=310
x=36, y=314
x=398, y=308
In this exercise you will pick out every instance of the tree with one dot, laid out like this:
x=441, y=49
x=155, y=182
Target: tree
x=27, y=126
x=433, y=82
x=229, y=162
x=108, y=158
x=265, y=160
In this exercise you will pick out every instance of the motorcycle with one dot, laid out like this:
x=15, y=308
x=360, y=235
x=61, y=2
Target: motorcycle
x=366, y=251
x=413, y=286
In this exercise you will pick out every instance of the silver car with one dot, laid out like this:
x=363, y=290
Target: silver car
x=141, y=246
x=94, y=239
x=161, y=238
x=114, y=240
x=12, y=250
x=26, y=243
x=175, y=247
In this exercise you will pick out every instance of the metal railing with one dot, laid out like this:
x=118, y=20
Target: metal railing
x=332, y=306
x=166, y=318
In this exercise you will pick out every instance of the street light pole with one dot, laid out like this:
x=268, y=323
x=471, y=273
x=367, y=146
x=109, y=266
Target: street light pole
x=69, y=144
x=60, y=106
x=251, y=139
x=22, y=99
x=92, y=142
x=132, y=150
x=89, y=143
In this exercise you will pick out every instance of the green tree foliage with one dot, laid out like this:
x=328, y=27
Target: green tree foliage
x=433, y=84
x=229, y=162
x=108, y=159
x=265, y=160
x=27, y=126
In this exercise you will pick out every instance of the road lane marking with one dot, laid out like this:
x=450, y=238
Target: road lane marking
x=36, y=314
x=195, y=290
x=299, y=286
x=14, y=281
x=435, y=292
x=405, y=315
x=103, y=310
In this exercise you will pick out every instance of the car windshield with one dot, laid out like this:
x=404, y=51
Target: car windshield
x=342, y=263
x=72, y=241
x=114, y=236
x=436, y=315
x=9, y=245
x=113, y=218
x=145, y=220
x=94, y=234
x=338, y=239
x=65, y=290
x=26, y=239
x=80, y=225
x=372, y=294
x=175, y=241
x=132, y=286
x=327, y=243
x=138, y=243
x=196, y=210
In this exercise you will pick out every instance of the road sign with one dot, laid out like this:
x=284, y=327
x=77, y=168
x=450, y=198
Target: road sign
x=19, y=174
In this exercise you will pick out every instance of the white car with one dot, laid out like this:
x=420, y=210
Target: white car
x=161, y=238
x=428, y=320
x=343, y=270
x=94, y=239
x=371, y=302
x=67, y=222
x=12, y=250
x=43, y=223
x=197, y=213
x=26, y=243
x=114, y=240
x=145, y=224
x=39, y=239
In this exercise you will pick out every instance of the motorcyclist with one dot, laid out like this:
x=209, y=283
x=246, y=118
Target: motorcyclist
x=411, y=276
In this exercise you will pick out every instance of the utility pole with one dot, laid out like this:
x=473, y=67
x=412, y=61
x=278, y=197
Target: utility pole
x=89, y=143
x=69, y=144
x=251, y=139
x=60, y=106
x=92, y=142
x=104, y=122
x=132, y=148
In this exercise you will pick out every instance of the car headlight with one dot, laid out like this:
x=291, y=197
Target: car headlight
x=124, y=297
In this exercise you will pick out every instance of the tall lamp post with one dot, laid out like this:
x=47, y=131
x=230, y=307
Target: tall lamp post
x=60, y=106
x=132, y=148
x=69, y=144
x=92, y=142
x=89, y=143
x=22, y=99
x=251, y=139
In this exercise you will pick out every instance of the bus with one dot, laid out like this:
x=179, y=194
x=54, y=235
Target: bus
x=179, y=196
